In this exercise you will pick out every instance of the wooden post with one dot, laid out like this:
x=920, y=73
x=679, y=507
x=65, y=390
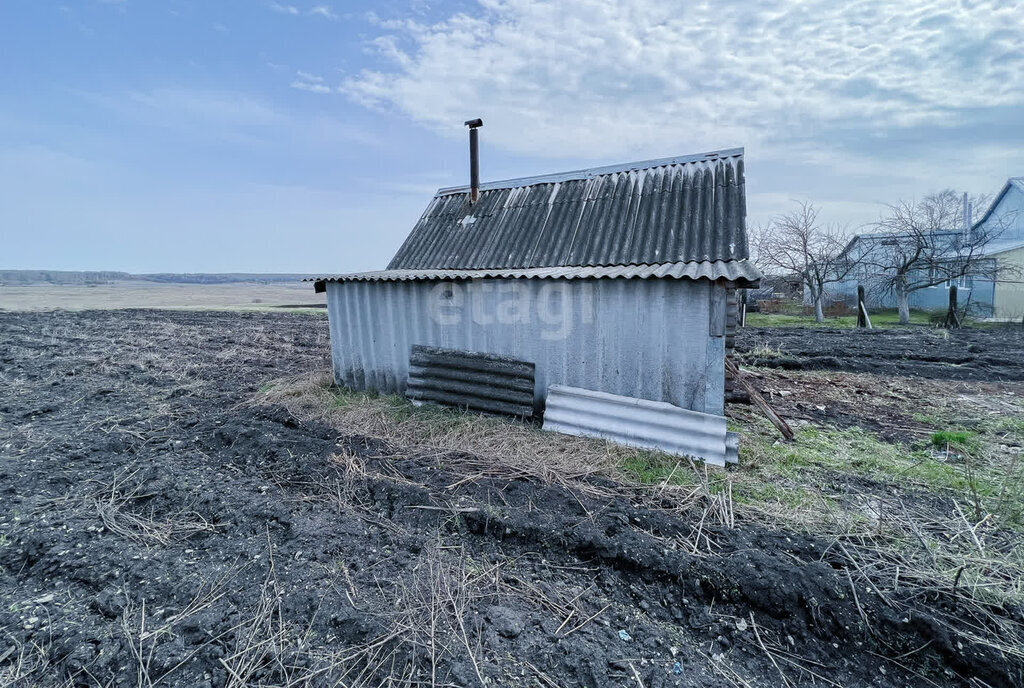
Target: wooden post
x=743, y=308
x=952, y=319
x=863, y=319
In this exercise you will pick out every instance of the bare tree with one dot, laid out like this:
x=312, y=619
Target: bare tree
x=797, y=243
x=925, y=243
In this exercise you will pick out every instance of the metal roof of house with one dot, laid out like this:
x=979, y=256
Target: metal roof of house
x=896, y=237
x=1010, y=183
x=669, y=211
x=742, y=272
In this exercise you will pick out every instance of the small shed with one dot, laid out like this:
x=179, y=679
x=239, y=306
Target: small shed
x=613, y=279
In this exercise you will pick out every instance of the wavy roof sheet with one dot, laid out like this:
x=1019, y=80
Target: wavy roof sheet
x=741, y=272
x=685, y=210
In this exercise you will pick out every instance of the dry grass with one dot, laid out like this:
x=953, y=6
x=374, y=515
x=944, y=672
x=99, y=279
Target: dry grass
x=118, y=505
x=424, y=624
x=910, y=529
x=145, y=632
x=484, y=447
x=29, y=665
x=479, y=447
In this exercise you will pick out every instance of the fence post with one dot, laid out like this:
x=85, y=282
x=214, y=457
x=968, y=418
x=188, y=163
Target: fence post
x=952, y=319
x=863, y=319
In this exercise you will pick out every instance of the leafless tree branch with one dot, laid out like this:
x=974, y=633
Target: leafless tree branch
x=798, y=243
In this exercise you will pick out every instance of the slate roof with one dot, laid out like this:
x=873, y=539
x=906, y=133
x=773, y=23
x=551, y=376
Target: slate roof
x=686, y=209
x=742, y=272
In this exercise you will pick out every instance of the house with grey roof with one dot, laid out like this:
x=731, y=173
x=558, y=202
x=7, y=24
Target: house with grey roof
x=613, y=279
x=994, y=288
x=1004, y=282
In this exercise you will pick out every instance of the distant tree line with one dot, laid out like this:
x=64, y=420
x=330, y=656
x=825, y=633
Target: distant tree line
x=95, y=277
x=68, y=277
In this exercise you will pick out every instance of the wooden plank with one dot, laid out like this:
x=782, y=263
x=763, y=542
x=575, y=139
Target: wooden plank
x=759, y=401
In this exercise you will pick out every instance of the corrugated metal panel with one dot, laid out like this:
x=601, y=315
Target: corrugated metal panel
x=740, y=272
x=471, y=380
x=674, y=210
x=639, y=423
x=639, y=338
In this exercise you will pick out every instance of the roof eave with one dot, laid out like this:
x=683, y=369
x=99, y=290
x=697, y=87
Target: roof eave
x=740, y=273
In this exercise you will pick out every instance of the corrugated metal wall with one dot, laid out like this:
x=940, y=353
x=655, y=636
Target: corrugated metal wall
x=648, y=339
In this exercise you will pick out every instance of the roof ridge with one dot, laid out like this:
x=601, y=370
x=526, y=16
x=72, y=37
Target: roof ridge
x=588, y=172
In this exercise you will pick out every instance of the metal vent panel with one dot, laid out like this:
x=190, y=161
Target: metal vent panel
x=640, y=423
x=471, y=380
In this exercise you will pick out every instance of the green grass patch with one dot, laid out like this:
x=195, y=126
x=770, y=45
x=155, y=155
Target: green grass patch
x=956, y=438
x=766, y=494
x=655, y=468
x=400, y=409
x=886, y=318
x=1009, y=428
x=852, y=450
x=929, y=419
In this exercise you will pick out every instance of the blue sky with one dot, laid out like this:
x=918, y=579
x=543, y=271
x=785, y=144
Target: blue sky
x=203, y=135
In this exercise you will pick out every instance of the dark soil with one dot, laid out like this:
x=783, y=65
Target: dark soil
x=139, y=486
x=991, y=353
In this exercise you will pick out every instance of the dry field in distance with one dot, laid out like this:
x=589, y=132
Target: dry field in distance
x=143, y=294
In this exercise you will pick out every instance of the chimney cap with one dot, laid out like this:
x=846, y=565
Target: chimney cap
x=474, y=123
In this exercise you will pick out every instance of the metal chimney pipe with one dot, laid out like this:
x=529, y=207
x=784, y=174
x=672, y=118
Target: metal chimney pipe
x=474, y=159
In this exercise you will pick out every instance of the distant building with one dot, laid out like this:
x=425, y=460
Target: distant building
x=1005, y=217
x=614, y=279
x=994, y=289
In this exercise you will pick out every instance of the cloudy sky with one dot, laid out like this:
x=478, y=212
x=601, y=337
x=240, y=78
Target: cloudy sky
x=242, y=135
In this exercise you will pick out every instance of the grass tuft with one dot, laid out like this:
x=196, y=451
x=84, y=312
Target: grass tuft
x=946, y=438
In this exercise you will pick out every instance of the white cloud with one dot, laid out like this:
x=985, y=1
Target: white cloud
x=598, y=78
x=284, y=9
x=310, y=82
x=324, y=11
x=311, y=87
